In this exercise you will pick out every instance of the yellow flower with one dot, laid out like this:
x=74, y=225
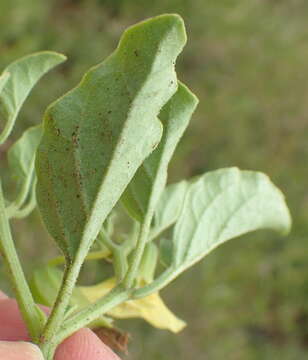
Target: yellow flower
x=151, y=308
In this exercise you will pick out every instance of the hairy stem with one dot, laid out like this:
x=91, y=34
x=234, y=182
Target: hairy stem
x=32, y=315
x=77, y=321
x=56, y=317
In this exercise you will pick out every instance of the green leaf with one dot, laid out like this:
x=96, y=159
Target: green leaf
x=21, y=158
x=169, y=207
x=149, y=181
x=24, y=74
x=21, y=155
x=222, y=205
x=97, y=135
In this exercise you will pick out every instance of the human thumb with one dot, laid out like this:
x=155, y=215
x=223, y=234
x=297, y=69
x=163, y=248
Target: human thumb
x=13, y=350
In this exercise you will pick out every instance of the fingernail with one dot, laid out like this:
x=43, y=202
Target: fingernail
x=11, y=350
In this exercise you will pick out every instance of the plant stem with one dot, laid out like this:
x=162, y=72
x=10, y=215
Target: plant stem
x=138, y=252
x=32, y=315
x=115, y=297
x=58, y=312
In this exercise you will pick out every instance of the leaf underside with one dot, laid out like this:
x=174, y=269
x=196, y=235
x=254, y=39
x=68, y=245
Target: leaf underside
x=97, y=135
x=222, y=205
x=169, y=207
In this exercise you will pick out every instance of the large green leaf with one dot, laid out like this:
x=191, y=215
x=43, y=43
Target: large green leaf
x=222, y=205
x=149, y=181
x=24, y=74
x=97, y=135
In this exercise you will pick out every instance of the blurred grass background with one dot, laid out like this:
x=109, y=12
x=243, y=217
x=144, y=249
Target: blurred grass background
x=247, y=62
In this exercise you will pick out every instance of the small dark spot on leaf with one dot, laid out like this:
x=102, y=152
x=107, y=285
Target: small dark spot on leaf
x=136, y=53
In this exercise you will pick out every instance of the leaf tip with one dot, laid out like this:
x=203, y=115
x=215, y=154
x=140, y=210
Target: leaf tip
x=192, y=98
x=176, y=21
x=58, y=56
x=287, y=226
x=154, y=27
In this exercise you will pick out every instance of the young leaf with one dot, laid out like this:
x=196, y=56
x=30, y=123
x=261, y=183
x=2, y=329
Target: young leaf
x=151, y=308
x=24, y=74
x=149, y=181
x=21, y=158
x=21, y=155
x=20, y=212
x=168, y=207
x=97, y=135
x=222, y=205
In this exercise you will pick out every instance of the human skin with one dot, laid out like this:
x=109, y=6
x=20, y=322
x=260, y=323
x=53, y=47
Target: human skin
x=15, y=345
